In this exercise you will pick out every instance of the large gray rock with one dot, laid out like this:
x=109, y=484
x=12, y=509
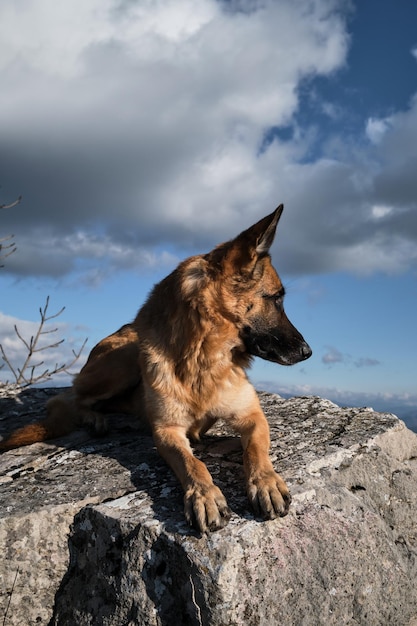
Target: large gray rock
x=92, y=531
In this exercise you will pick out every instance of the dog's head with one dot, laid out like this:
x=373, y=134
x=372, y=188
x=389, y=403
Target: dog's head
x=251, y=294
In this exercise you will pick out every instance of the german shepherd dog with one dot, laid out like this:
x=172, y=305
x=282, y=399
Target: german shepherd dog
x=181, y=364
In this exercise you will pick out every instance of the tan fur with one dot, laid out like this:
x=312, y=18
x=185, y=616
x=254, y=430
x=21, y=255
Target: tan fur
x=181, y=365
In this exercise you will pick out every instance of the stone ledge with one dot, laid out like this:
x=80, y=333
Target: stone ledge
x=346, y=553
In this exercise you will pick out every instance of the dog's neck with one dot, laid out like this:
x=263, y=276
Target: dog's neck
x=190, y=338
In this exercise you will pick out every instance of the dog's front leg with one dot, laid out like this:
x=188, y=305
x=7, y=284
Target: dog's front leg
x=267, y=491
x=204, y=504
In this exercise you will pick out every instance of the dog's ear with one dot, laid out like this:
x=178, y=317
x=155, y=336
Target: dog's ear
x=243, y=252
x=256, y=241
x=264, y=231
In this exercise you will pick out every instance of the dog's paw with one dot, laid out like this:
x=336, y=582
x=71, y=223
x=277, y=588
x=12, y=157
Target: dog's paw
x=269, y=495
x=95, y=422
x=206, y=508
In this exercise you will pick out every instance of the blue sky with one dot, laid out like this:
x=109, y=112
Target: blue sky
x=139, y=133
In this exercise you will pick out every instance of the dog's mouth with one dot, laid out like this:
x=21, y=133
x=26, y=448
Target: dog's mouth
x=285, y=351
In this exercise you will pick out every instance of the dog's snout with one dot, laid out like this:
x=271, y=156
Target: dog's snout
x=306, y=351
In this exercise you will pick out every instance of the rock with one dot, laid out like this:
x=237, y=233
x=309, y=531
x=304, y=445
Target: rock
x=93, y=533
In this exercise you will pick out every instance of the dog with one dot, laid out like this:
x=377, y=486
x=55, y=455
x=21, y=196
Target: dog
x=181, y=364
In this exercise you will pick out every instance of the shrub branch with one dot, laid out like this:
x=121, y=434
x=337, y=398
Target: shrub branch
x=8, y=248
x=29, y=373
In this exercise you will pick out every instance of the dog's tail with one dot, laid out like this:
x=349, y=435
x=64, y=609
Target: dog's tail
x=61, y=419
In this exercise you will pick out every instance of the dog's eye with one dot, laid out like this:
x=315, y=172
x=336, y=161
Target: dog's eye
x=276, y=298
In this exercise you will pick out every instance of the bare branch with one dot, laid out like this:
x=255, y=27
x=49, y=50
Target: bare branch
x=10, y=206
x=51, y=345
x=28, y=345
x=8, y=238
x=11, y=247
x=28, y=373
x=7, y=362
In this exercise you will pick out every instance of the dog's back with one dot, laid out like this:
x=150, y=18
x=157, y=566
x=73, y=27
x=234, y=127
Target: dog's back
x=110, y=381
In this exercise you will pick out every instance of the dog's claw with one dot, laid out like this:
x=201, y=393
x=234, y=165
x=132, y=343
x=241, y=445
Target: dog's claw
x=206, y=509
x=221, y=521
x=269, y=496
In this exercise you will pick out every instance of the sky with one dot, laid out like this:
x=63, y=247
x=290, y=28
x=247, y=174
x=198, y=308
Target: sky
x=141, y=132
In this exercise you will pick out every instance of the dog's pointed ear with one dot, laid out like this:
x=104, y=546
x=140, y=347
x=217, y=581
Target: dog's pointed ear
x=264, y=231
x=243, y=252
x=257, y=240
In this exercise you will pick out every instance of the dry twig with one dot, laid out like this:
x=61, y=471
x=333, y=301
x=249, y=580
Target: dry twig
x=11, y=205
x=28, y=374
x=8, y=249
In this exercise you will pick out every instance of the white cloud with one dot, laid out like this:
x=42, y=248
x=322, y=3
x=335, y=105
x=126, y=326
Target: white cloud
x=376, y=128
x=332, y=356
x=163, y=58
x=380, y=253
x=145, y=128
x=96, y=256
x=379, y=211
x=143, y=115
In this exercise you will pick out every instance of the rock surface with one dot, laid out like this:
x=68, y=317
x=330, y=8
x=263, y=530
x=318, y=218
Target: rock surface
x=92, y=530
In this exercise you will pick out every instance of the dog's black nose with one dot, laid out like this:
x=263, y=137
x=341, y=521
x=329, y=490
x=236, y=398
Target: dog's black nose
x=306, y=351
